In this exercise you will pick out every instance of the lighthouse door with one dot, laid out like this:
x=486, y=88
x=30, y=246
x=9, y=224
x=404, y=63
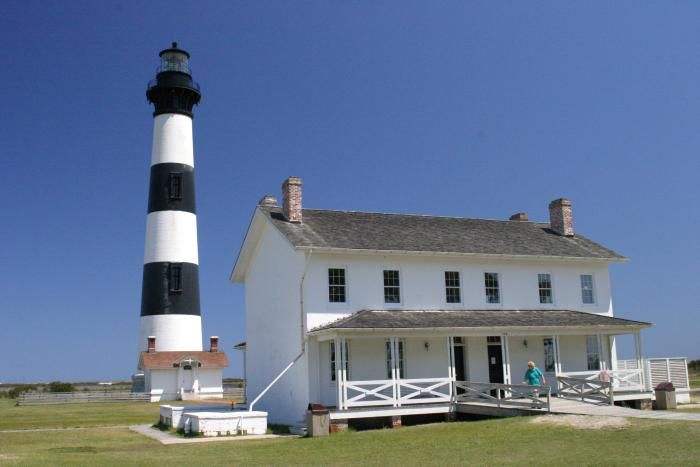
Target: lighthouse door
x=186, y=382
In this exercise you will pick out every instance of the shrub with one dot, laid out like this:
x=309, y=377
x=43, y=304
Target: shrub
x=19, y=389
x=694, y=365
x=58, y=386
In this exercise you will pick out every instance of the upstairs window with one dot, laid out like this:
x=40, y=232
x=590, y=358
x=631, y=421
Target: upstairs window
x=593, y=353
x=175, y=186
x=392, y=288
x=545, y=285
x=336, y=285
x=587, y=296
x=175, y=278
x=399, y=358
x=493, y=294
x=453, y=292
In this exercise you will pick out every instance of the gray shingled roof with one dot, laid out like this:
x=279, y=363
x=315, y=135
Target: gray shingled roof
x=402, y=319
x=411, y=233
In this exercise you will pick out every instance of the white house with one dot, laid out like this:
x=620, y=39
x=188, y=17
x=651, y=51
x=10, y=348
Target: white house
x=382, y=313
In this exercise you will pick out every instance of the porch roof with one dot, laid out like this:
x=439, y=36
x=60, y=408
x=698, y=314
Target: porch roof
x=478, y=319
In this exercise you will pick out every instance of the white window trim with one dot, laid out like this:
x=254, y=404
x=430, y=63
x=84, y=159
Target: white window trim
x=348, y=359
x=337, y=305
x=551, y=283
x=402, y=283
x=593, y=287
x=500, y=288
x=402, y=343
x=461, y=288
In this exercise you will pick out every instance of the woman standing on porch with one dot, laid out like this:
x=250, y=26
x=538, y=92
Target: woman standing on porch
x=534, y=377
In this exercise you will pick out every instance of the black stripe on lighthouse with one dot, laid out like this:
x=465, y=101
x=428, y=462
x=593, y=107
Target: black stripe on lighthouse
x=170, y=289
x=171, y=188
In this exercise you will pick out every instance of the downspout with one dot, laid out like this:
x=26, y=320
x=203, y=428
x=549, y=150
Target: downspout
x=302, y=329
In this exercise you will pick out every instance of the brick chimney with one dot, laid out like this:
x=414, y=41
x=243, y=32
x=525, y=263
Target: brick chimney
x=561, y=219
x=291, y=190
x=519, y=216
x=268, y=200
x=151, y=344
x=214, y=344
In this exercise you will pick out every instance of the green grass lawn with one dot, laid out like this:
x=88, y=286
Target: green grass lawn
x=504, y=441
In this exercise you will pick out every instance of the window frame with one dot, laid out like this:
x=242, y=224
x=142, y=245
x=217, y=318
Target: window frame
x=458, y=287
x=499, y=278
x=401, y=358
x=175, y=194
x=345, y=286
x=174, y=278
x=598, y=352
x=332, y=360
x=592, y=289
x=540, y=288
x=399, y=287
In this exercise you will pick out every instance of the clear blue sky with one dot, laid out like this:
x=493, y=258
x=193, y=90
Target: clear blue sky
x=477, y=109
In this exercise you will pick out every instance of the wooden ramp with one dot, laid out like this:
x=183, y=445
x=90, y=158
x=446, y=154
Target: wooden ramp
x=568, y=406
x=573, y=407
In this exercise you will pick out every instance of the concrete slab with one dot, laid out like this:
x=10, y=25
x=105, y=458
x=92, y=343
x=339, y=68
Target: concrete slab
x=167, y=438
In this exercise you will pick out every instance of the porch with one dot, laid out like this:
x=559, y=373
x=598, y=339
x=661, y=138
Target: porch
x=397, y=370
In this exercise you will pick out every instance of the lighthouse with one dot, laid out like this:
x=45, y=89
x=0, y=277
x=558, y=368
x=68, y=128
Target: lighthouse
x=171, y=326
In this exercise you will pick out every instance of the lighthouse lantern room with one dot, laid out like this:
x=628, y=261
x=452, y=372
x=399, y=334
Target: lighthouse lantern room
x=171, y=357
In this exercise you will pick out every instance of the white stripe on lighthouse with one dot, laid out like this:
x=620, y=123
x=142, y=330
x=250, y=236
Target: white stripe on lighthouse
x=172, y=139
x=171, y=236
x=173, y=332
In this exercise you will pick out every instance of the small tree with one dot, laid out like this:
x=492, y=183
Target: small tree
x=59, y=386
x=19, y=389
x=694, y=365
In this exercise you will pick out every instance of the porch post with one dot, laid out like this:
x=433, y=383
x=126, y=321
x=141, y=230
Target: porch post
x=394, y=386
x=343, y=368
x=505, y=353
x=340, y=403
x=638, y=354
x=611, y=348
x=557, y=362
x=451, y=363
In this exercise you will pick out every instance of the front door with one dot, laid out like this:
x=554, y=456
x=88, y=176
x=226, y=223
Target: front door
x=460, y=374
x=495, y=355
x=495, y=364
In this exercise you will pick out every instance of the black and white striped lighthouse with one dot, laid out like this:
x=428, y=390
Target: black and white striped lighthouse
x=170, y=295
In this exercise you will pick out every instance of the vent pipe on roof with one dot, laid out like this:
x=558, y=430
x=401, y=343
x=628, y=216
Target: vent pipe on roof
x=268, y=200
x=519, y=216
x=214, y=344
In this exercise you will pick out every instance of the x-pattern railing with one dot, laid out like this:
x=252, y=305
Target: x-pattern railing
x=423, y=390
x=585, y=389
x=369, y=393
x=503, y=395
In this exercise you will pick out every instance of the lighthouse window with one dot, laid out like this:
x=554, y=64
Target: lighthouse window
x=175, y=278
x=175, y=186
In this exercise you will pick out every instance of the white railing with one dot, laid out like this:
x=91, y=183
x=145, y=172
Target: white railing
x=400, y=392
x=395, y=393
x=585, y=389
x=368, y=393
x=620, y=379
x=503, y=395
x=660, y=370
x=422, y=391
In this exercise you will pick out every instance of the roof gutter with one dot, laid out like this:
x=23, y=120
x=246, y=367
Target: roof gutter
x=447, y=253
